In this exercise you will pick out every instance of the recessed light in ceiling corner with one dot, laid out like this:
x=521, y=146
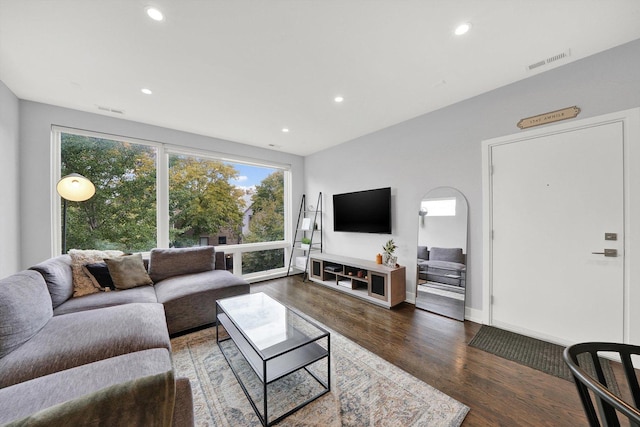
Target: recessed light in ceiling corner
x=338, y=99
x=146, y=91
x=285, y=130
x=462, y=29
x=154, y=13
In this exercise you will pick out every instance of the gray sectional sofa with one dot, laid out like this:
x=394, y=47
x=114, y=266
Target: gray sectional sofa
x=104, y=358
x=442, y=265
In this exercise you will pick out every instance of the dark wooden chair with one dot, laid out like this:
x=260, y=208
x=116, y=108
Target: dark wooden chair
x=608, y=404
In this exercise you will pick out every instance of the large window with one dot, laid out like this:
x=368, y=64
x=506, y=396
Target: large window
x=122, y=213
x=204, y=200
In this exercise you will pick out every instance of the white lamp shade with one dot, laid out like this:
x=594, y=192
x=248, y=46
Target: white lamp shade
x=75, y=188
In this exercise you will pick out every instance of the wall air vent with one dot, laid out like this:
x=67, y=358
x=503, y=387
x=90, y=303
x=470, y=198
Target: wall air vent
x=536, y=65
x=110, y=110
x=565, y=54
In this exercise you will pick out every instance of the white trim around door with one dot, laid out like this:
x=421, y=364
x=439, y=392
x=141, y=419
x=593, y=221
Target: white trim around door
x=630, y=120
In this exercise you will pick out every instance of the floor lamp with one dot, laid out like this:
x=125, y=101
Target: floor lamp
x=75, y=188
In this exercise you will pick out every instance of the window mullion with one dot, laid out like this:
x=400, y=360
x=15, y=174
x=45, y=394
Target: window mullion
x=162, y=188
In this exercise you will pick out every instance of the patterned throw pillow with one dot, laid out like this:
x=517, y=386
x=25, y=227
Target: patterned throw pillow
x=82, y=283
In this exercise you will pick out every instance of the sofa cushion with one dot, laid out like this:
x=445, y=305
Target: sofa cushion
x=190, y=300
x=446, y=254
x=128, y=271
x=82, y=284
x=76, y=339
x=98, y=272
x=93, y=379
x=453, y=267
x=57, y=273
x=165, y=263
x=25, y=308
x=143, y=294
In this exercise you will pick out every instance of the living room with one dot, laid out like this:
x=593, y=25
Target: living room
x=412, y=156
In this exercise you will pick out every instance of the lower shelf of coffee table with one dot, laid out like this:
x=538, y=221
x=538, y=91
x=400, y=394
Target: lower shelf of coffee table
x=277, y=366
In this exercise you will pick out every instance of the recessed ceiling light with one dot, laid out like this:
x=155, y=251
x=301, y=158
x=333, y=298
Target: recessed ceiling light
x=462, y=29
x=338, y=99
x=146, y=91
x=285, y=130
x=155, y=14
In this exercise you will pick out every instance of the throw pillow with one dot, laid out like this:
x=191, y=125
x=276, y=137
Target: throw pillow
x=82, y=284
x=423, y=252
x=98, y=272
x=165, y=263
x=128, y=271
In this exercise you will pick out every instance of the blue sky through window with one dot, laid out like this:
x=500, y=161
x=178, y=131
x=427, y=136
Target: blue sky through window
x=250, y=176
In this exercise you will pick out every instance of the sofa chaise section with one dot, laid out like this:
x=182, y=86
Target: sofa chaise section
x=190, y=300
x=188, y=281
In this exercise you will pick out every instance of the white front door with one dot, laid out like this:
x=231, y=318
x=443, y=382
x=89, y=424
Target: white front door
x=553, y=198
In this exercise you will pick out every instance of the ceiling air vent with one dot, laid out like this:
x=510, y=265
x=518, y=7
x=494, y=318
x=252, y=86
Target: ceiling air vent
x=565, y=54
x=110, y=110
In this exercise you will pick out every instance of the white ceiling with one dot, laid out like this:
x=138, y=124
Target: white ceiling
x=242, y=70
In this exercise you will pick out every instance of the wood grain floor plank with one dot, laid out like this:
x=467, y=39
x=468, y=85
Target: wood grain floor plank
x=434, y=349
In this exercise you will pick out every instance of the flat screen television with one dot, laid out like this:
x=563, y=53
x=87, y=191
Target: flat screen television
x=363, y=211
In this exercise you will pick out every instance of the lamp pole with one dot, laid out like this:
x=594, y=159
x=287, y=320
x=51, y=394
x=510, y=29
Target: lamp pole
x=76, y=188
x=64, y=225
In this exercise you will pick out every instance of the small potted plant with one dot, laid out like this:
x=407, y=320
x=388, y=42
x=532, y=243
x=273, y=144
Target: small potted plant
x=305, y=243
x=388, y=258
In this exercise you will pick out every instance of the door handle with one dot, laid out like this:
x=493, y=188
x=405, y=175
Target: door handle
x=607, y=252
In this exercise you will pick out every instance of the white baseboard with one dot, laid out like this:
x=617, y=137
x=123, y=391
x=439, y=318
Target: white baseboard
x=473, y=314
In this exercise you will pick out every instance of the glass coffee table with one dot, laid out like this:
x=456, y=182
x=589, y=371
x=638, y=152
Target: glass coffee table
x=280, y=359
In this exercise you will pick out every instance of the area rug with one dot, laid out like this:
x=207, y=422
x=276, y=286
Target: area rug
x=534, y=353
x=365, y=390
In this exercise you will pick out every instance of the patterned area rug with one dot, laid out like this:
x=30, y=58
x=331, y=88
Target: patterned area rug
x=365, y=390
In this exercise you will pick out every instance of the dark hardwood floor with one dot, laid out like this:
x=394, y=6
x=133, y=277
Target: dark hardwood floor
x=434, y=349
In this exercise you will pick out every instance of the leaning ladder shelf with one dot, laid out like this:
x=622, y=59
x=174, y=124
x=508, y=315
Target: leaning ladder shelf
x=309, y=228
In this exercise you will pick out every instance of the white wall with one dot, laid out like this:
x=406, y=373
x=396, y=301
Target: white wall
x=35, y=172
x=9, y=196
x=443, y=148
x=442, y=232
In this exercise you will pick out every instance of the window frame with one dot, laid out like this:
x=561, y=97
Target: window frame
x=164, y=150
x=443, y=206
